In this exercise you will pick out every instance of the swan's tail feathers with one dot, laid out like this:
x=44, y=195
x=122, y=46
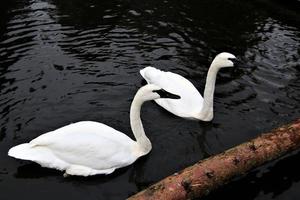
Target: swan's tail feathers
x=38, y=154
x=143, y=72
x=149, y=73
x=22, y=151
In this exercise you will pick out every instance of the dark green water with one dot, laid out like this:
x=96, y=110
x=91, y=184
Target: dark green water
x=71, y=60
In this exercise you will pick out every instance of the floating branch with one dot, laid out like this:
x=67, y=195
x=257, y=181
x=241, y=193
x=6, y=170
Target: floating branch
x=201, y=178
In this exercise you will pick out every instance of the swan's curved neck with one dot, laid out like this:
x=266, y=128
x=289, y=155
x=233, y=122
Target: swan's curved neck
x=207, y=111
x=137, y=126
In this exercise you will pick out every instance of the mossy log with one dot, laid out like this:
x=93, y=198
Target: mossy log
x=201, y=178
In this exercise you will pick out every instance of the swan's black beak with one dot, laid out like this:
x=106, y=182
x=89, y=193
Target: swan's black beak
x=164, y=94
x=235, y=61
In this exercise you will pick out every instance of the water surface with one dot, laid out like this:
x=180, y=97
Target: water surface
x=72, y=60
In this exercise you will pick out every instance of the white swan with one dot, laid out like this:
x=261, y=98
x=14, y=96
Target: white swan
x=89, y=148
x=191, y=104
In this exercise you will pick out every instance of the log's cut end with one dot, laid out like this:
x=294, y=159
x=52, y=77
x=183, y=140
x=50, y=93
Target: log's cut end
x=198, y=180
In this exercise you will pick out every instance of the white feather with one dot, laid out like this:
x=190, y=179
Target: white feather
x=191, y=104
x=190, y=101
x=88, y=148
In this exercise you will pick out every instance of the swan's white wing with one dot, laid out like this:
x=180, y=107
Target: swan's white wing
x=190, y=103
x=90, y=144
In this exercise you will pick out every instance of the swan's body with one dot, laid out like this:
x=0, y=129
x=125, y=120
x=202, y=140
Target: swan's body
x=89, y=148
x=191, y=104
x=191, y=100
x=83, y=148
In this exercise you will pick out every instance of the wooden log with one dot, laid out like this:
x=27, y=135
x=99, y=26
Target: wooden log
x=201, y=178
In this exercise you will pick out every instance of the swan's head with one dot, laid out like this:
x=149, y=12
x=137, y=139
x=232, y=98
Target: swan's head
x=151, y=92
x=224, y=60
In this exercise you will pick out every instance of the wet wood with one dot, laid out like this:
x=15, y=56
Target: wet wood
x=203, y=177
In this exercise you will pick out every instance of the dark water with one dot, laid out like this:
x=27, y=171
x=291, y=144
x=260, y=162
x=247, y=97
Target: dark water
x=72, y=60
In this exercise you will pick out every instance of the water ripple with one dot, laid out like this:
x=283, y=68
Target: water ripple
x=65, y=61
